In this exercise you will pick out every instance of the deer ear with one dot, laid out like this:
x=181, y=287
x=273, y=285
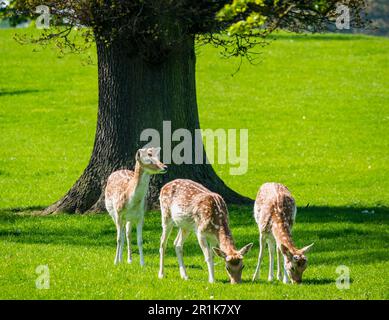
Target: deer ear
x=307, y=248
x=156, y=151
x=219, y=252
x=137, y=155
x=245, y=249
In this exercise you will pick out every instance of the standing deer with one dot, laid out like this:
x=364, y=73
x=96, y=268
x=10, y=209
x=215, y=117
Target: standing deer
x=275, y=213
x=190, y=205
x=125, y=195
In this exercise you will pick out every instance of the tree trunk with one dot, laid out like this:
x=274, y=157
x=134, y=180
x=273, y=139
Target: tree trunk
x=135, y=95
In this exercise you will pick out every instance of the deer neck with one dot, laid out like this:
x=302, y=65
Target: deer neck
x=283, y=236
x=141, y=181
x=226, y=242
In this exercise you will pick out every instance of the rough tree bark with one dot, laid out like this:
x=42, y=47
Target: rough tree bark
x=134, y=95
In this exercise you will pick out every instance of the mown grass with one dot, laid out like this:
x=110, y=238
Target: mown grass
x=317, y=110
x=79, y=252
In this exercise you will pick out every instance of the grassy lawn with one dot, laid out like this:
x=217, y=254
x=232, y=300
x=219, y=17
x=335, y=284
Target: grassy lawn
x=317, y=110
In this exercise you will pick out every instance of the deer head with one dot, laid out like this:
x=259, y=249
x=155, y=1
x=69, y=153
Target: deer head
x=149, y=160
x=234, y=262
x=296, y=263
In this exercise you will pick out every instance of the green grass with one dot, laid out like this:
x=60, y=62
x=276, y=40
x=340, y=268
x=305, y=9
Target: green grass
x=317, y=110
x=79, y=251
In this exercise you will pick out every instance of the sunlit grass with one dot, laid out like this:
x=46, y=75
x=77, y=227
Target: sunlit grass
x=317, y=110
x=79, y=251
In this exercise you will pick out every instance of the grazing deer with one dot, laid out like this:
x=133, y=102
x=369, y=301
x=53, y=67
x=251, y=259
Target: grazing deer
x=275, y=212
x=190, y=205
x=125, y=195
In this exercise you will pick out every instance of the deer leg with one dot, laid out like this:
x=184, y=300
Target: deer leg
x=207, y=255
x=167, y=226
x=128, y=236
x=260, y=256
x=139, y=238
x=286, y=278
x=179, y=245
x=279, y=256
x=271, y=247
x=119, y=243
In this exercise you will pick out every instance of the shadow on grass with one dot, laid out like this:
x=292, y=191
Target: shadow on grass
x=243, y=216
x=346, y=257
x=343, y=214
x=17, y=92
x=187, y=266
x=244, y=281
x=319, y=281
x=25, y=210
x=341, y=234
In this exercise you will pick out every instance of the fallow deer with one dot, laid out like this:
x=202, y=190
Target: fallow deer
x=125, y=195
x=275, y=212
x=191, y=206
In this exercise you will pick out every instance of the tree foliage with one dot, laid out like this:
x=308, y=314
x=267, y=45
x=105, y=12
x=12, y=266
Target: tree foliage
x=154, y=27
